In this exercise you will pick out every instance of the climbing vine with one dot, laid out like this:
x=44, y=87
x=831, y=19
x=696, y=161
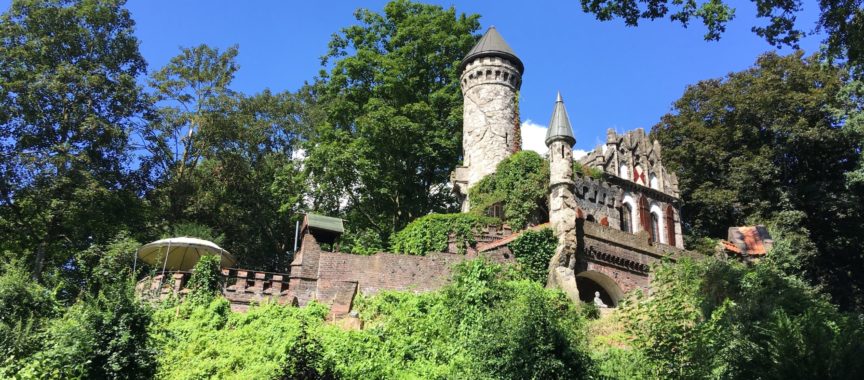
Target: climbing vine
x=431, y=232
x=520, y=184
x=589, y=171
x=533, y=250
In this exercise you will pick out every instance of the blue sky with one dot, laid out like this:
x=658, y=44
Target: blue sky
x=610, y=76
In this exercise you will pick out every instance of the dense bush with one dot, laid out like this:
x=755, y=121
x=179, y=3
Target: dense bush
x=520, y=184
x=208, y=340
x=533, y=250
x=716, y=319
x=431, y=232
x=103, y=334
x=484, y=325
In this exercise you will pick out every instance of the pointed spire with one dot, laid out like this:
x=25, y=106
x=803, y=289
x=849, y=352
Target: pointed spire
x=559, y=127
x=492, y=45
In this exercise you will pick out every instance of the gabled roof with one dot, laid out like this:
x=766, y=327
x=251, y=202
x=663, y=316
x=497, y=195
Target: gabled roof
x=559, y=127
x=492, y=45
x=325, y=223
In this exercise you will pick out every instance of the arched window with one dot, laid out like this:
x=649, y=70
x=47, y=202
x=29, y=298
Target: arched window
x=624, y=171
x=626, y=218
x=653, y=182
x=670, y=225
x=590, y=218
x=655, y=227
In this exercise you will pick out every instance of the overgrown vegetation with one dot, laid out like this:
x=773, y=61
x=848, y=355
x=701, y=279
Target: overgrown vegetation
x=519, y=185
x=432, y=232
x=96, y=158
x=533, y=250
x=777, y=145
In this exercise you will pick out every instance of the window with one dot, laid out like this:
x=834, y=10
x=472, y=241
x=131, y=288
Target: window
x=624, y=171
x=670, y=225
x=655, y=228
x=626, y=218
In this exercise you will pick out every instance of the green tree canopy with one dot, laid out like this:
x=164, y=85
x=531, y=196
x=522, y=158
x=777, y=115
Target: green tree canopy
x=393, y=108
x=764, y=141
x=842, y=21
x=68, y=99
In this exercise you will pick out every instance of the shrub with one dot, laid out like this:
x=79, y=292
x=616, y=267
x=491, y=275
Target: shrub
x=521, y=184
x=533, y=250
x=431, y=232
x=269, y=341
x=484, y=325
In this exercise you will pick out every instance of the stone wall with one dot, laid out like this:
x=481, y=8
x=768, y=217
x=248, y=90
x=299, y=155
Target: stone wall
x=489, y=86
x=335, y=278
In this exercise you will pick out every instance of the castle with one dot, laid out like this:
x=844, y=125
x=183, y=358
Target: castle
x=610, y=230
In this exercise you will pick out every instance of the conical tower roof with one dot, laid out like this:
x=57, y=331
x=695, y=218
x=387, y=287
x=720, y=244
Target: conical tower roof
x=559, y=127
x=492, y=45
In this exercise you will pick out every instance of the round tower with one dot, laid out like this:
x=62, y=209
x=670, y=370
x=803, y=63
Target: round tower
x=491, y=77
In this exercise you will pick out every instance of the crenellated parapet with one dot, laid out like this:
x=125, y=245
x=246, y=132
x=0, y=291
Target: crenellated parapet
x=240, y=287
x=491, y=70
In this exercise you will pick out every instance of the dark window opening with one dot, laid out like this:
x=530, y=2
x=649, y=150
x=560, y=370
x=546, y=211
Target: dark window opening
x=626, y=218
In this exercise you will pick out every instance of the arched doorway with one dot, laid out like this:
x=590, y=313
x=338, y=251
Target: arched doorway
x=591, y=284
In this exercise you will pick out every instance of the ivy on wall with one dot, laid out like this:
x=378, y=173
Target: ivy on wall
x=431, y=232
x=589, y=171
x=533, y=250
x=520, y=184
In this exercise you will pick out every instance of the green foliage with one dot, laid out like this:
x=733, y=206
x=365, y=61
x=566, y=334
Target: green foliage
x=270, y=341
x=206, y=279
x=533, y=251
x=764, y=143
x=431, y=233
x=26, y=306
x=483, y=326
x=520, y=184
x=392, y=126
x=69, y=97
x=840, y=22
x=588, y=171
x=717, y=319
x=224, y=160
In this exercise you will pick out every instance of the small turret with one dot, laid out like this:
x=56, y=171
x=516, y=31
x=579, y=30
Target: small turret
x=560, y=140
x=563, y=209
x=559, y=127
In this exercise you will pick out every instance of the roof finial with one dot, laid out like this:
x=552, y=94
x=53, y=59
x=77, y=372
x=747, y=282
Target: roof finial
x=559, y=100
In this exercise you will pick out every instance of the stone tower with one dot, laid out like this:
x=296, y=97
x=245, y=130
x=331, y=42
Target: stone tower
x=491, y=77
x=563, y=207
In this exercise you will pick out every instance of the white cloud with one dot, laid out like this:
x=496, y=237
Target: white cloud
x=534, y=138
x=579, y=153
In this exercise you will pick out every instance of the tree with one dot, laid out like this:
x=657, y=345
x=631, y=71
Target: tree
x=69, y=98
x=841, y=20
x=393, y=115
x=223, y=159
x=195, y=103
x=764, y=142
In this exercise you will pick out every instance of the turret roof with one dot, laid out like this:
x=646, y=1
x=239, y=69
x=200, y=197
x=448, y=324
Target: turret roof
x=492, y=45
x=559, y=127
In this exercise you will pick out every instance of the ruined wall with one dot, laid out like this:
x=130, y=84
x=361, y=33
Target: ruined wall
x=599, y=200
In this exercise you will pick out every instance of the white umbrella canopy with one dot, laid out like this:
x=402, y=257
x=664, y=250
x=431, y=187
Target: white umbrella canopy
x=182, y=253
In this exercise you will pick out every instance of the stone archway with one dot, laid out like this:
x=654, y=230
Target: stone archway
x=590, y=282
